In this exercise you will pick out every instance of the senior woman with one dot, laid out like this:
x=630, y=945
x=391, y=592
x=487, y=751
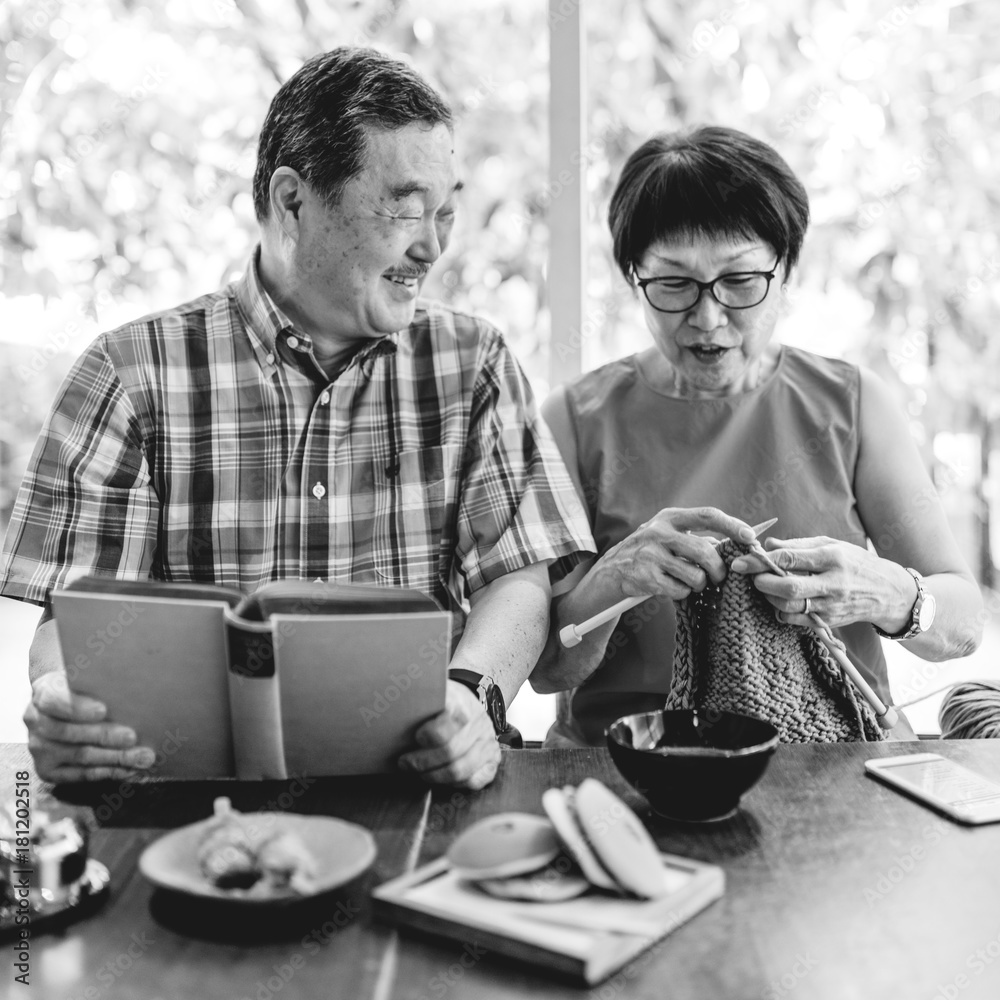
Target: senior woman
x=715, y=426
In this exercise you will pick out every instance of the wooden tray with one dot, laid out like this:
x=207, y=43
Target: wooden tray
x=585, y=939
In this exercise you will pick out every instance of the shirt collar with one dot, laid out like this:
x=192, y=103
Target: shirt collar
x=263, y=319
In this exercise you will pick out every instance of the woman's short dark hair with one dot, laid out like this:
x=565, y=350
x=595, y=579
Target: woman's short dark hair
x=707, y=181
x=318, y=120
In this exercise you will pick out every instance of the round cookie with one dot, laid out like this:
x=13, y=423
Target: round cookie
x=620, y=841
x=503, y=846
x=551, y=884
x=557, y=805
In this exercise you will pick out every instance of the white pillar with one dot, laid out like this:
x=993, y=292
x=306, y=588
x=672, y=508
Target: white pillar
x=567, y=205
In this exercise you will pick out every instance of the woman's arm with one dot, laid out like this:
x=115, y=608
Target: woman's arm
x=660, y=559
x=559, y=668
x=903, y=516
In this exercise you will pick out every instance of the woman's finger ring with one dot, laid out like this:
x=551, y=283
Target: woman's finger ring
x=805, y=609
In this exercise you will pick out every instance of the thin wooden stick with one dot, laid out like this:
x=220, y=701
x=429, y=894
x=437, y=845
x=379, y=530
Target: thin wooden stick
x=572, y=635
x=886, y=715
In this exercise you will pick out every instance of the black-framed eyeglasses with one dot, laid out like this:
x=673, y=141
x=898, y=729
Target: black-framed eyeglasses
x=738, y=290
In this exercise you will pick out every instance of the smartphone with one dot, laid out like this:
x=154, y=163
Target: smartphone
x=942, y=784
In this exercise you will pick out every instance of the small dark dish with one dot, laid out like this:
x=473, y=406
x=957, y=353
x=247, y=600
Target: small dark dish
x=690, y=766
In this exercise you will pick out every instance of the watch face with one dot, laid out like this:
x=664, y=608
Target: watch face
x=496, y=709
x=927, y=610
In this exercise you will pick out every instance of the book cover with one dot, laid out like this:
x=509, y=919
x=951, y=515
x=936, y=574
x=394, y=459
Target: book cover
x=297, y=679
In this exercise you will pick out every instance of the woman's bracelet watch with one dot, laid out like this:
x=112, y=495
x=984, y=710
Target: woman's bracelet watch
x=921, y=615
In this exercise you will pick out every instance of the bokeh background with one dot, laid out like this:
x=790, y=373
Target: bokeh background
x=127, y=144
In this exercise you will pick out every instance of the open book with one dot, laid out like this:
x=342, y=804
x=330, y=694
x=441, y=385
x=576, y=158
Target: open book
x=298, y=679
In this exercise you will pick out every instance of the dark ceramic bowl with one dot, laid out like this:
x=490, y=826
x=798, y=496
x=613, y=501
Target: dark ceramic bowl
x=692, y=767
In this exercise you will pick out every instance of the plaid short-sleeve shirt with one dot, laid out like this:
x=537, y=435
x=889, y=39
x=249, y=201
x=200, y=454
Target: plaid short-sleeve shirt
x=206, y=444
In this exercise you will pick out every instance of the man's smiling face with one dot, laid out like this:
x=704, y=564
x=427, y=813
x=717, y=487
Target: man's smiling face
x=364, y=260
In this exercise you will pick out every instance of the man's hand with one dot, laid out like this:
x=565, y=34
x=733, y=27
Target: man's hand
x=458, y=746
x=70, y=742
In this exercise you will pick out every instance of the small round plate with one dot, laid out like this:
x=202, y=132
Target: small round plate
x=341, y=850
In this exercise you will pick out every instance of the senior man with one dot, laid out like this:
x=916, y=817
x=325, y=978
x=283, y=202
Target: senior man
x=310, y=420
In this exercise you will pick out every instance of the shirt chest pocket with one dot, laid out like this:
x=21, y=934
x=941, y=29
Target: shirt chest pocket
x=414, y=514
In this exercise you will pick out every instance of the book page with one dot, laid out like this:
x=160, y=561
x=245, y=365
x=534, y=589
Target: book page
x=320, y=597
x=187, y=590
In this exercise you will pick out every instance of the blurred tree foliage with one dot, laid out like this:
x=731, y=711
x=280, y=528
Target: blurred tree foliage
x=128, y=140
x=889, y=113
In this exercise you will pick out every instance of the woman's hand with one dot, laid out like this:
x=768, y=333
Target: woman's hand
x=843, y=582
x=663, y=558
x=660, y=559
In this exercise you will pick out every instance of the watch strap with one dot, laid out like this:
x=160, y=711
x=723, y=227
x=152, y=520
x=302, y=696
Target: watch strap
x=469, y=678
x=912, y=628
x=486, y=691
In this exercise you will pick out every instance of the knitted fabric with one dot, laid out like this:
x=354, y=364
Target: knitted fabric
x=732, y=655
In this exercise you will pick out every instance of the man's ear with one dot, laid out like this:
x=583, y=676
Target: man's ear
x=286, y=194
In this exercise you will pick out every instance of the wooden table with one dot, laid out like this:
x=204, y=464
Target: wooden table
x=837, y=887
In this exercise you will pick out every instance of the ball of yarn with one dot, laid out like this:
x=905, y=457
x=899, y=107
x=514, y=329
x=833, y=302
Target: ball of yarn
x=971, y=711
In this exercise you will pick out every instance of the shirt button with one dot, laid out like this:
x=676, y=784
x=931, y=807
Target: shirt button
x=324, y=399
x=319, y=491
x=270, y=359
x=293, y=343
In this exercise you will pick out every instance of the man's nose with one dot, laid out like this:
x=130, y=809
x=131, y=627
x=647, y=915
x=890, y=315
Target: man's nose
x=427, y=245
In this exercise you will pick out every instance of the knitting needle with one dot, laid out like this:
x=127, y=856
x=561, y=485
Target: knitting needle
x=886, y=715
x=572, y=635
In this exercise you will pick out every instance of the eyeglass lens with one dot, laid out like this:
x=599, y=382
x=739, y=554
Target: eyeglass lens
x=737, y=290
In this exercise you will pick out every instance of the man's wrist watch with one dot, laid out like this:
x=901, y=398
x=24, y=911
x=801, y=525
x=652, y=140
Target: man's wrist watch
x=921, y=615
x=489, y=695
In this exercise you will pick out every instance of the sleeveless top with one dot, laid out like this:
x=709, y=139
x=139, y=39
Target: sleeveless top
x=787, y=449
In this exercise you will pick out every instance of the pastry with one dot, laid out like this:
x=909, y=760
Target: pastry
x=226, y=855
x=557, y=803
x=235, y=854
x=503, y=846
x=554, y=883
x=619, y=840
x=590, y=838
x=285, y=862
